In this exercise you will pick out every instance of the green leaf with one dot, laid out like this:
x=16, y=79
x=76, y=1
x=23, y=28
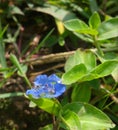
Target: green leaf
x=48, y=105
x=15, y=10
x=15, y=61
x=87, y=31
x=85, y=57
x=24, y=69
x=115, y=74
x=85, y=37
x=81, y=92
x=61, y=41
x=78, y=26
x=105, y=68
x=32, y=104
x=2, y=31
x=94, y=21
x=75, y=24
x=73, y=75
x=12, y=94
x=108, y=29
x=71, y=120
x=79, y=72
x=90, y=117
x=110, y=56
x=2, y=48
x=101, y=70
x=55, y=11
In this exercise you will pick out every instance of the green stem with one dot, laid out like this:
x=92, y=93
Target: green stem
x=98, y=46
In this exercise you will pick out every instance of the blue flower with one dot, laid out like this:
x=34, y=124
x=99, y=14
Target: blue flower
x=47, y=87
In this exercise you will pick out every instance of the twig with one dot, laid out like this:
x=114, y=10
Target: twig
x=48, y=58
x=48, y=69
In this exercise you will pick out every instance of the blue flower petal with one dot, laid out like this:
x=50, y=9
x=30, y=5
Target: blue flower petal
x=54, y=78
x=59, y=89
x=48, y=87
x=40, y=80
x=33, y=92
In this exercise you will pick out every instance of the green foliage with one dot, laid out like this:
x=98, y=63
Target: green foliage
x=91, y=73
x=78, y=93
x=108, y=29
x=71, y=120
x=85, y=57
x=7, y=95
x=86, y=70
x=21, y=69
x=89, y=116
x=94, y=21
x=2, y=48
x=56, y=12
x=51, y=106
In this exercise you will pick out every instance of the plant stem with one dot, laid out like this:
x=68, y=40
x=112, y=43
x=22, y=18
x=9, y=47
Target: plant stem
x=55, y=123
x=98, y=46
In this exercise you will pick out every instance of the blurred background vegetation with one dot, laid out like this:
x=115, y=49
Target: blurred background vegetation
x=33, y=29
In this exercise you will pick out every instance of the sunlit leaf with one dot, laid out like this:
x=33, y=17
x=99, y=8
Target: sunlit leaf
x=85, y=57
x=73, y=75
x=71, y=120
x=48, y=105
x=75, y=24
x=94, y=21
x=79, y=26
x=91, y=118
x=108, y=29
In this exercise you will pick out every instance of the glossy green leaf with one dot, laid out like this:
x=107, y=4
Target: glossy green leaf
x=75, y=24
x=87, y=31
x=81, y=92
x=71, y=120
x=108, y=29
x=101, y=70
x=91, y=118
x=78, y=26
x=79, y=72
x=105, y=68
x=48, y=105
x=111, y=56
x=73, y=75
x=85, y=57
x=94, y=21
